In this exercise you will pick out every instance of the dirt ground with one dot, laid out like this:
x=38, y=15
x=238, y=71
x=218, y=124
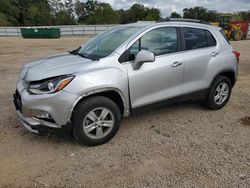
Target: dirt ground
x=177, y=146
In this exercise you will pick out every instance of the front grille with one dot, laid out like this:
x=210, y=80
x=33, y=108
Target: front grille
x=18, y=101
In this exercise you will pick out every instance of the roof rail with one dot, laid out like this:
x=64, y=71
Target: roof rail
x=182, y=20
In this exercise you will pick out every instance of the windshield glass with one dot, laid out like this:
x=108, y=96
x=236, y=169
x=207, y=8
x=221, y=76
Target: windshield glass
x=106, y=43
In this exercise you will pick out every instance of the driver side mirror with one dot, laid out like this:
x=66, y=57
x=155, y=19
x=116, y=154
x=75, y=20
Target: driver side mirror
x=144, y=56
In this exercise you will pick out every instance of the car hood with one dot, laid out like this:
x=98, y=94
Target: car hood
x=61, y=64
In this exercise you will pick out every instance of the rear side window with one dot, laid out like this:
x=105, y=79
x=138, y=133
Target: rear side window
x=194, y=38
x=210, y=39
x=198, y=38
x=223, y=34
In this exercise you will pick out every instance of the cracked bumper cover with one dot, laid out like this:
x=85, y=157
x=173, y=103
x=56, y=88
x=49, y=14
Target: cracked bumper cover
x=30, y=107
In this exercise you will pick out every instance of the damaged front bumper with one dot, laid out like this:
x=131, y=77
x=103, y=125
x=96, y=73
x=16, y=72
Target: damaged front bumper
x=37, y=111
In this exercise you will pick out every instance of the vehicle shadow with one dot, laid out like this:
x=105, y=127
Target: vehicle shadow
x=65, y=134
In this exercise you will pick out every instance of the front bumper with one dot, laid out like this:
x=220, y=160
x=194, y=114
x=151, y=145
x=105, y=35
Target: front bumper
x=49, y=110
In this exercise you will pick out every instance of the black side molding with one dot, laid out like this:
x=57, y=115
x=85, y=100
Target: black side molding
x=198, y=95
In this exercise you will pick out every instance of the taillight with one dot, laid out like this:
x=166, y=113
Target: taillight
x=237, y=55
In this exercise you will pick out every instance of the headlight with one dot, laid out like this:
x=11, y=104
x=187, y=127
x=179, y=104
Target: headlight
x=50, y=85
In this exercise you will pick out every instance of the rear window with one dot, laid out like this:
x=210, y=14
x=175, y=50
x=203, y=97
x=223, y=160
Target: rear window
x=198, y=38
x=223, y=34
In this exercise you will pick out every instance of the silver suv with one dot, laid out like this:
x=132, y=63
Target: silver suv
x=124, y=70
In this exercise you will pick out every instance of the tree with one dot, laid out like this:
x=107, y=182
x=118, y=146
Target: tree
x=63, y=17
x=152, y=13
x=245, y=15
x=175, y=15
x=63, y=12
x=39, y=14
x=85, y=11
x=8, y=13
x=104, y=14
x=139, y=12
x=200, y=13
x=124, y=16
x=4, y=20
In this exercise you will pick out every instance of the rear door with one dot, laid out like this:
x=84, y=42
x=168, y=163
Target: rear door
x=200, y=52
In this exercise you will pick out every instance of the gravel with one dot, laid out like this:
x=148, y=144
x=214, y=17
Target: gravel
x=182, y=145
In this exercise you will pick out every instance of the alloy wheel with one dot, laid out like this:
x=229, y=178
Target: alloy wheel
x=98, y=123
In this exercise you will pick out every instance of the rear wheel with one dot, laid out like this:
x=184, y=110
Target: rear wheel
x=219, y=93
x=96, y=121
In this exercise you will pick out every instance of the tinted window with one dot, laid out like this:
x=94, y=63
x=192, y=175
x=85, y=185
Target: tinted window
x=210, y=39
x=223, y=34
x=195, y=38
x=159, y=41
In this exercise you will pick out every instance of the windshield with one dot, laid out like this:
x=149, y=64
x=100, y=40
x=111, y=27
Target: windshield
x=106, y=43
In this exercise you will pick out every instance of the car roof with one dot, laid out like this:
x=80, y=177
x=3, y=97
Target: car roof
x=183, y=22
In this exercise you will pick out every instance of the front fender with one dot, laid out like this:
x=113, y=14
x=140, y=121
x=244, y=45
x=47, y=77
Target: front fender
x=100, y=80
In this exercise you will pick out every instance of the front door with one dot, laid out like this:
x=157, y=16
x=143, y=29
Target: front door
x=161, y=79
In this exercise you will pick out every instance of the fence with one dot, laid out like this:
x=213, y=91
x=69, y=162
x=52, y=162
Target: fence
x=69, y=30
x=66, y=30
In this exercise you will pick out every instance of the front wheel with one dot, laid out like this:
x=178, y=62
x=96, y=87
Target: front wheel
x=219, y=93
x=96, y=120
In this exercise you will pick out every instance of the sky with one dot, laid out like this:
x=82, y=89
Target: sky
x=168, y=6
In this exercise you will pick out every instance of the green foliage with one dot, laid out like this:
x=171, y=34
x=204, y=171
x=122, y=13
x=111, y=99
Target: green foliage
x=63, y=12
x=8, y=13
x=200, y=13
x=38, y=14
x=139, y=12
x=3, y=20
x=86, y=11
x=153, y=13
x=93, y=12
x=64, y=17
x=104, y=14
x=245, y=15
x=175, y=15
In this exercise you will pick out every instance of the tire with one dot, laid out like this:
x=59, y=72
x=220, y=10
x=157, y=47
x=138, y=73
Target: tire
x=238, y=35
x=216, y=98
x=96, y=120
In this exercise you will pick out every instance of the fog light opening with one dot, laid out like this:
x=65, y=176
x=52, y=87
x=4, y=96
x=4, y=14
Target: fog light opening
x=46, y=117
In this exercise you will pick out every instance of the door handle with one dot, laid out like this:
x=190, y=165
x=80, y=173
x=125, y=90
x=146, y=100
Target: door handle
x=176, y=64
x=214, y=54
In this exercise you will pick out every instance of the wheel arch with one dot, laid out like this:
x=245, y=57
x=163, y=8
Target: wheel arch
x=230, y=73
x=112, y=93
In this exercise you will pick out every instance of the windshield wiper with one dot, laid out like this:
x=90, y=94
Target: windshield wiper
x=76, y=52
x=82, y=55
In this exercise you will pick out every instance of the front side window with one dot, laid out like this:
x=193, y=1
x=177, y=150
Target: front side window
x=159, y=41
